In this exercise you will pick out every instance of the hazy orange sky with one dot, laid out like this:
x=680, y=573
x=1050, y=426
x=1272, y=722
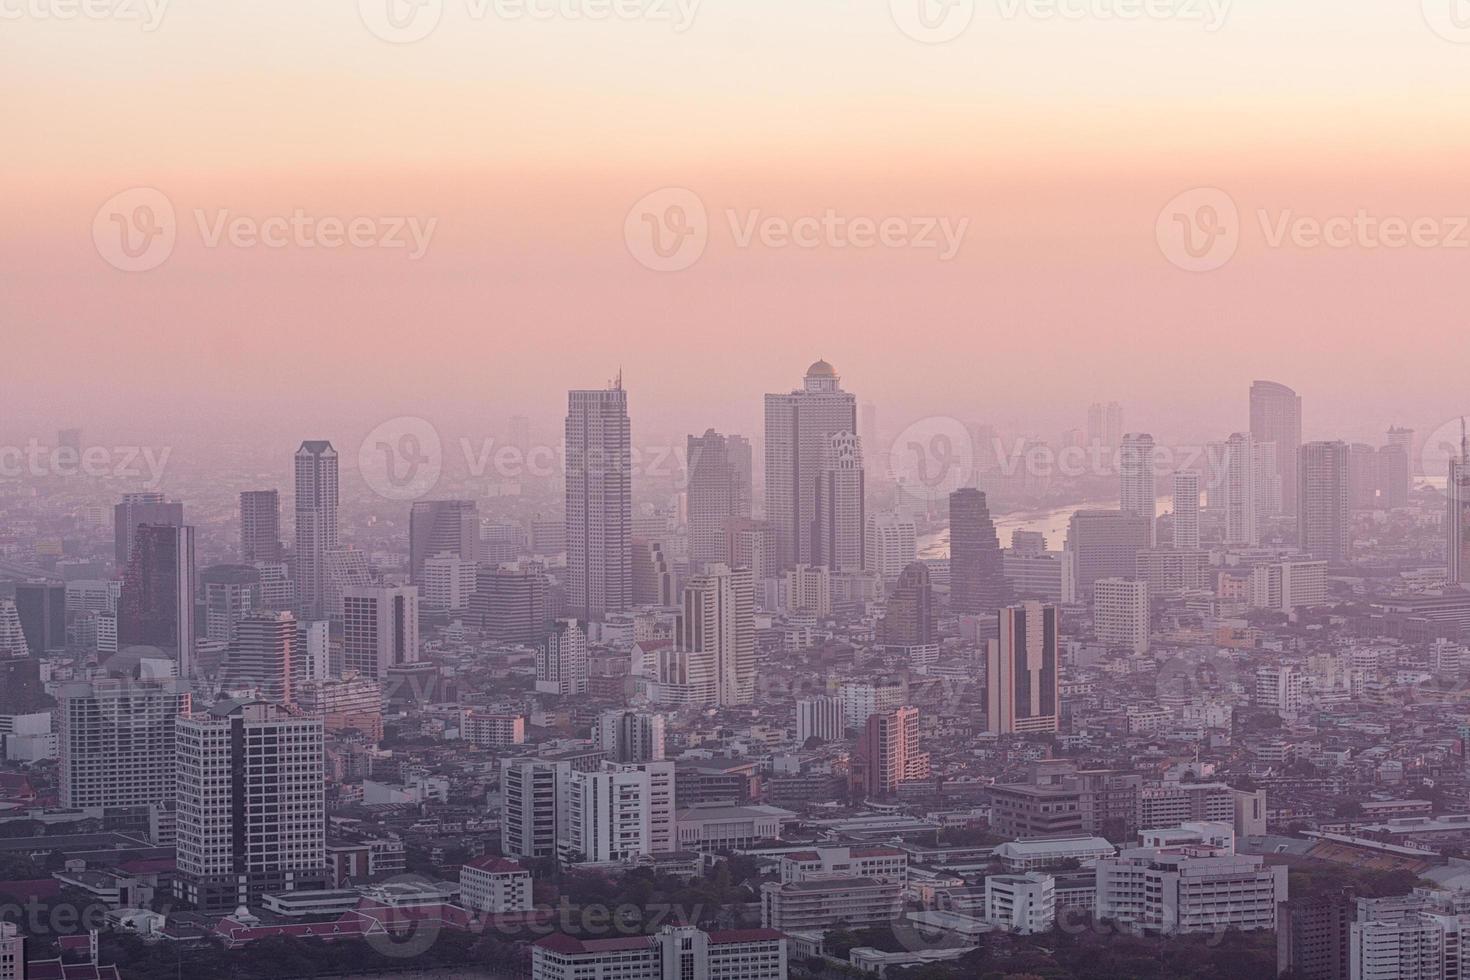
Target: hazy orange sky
x=527, y=141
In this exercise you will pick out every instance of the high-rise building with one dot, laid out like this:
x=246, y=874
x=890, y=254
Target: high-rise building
x=12, y=633
x=447, y=582
x=1276, y=417
x=653, y=574
x=717, y=622
x=115, y=738
x=799, y=428
x=1136, y=478
x=1022, y=672
x=977, y=582
x=1312, y=937
x=1104, y=544
x=908, y=619
x=630, y=736
x=752, y=545
x=252, y=815
x=231, y=592
x=1233, y=480
x=530, y=814
x=1186, y=511
x=260, y=526
x=266, y=656
x=819, y=717
x=317, y=527
x=719, y=491
x=511, y=604
x=889, y=752
x=156, y=606
x=892, y=544
x=839, y=526
x=1120, y=612
x=1266, y=478
x=41, y=606
x=561, y=662
x=380, y=628
x=135, y=509
x=1105, y=424
x=1324, y=511
x=1457, y=515
x=599, y=503
x=607, y=815
x=442, y=527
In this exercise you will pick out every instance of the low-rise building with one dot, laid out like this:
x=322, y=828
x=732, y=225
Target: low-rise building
x=682, y=952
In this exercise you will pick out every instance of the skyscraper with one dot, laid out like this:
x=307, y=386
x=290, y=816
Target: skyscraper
x=839, y=525
x=252, y=815
x=599, y=502
x=561, y=661
x=41, y=606
x=799, y=427
x=510, y=604
x=267, y=656
x=115, y=737
x=1324, y=510
x=260, y=526
x=1457, y=516
x=231, y=592
x=439, y=527
x=890, y=753
x=1022, y=669
x=977, y=582
x=1120, y=613
x=1233, y=481
x=892, y=544
x=380, y=628
x=12, y=634
x=1186, y=511
x=719, y=489
x=1276, y=416
x=1136, y=478
x=1105, y=424
x=156, y=606
x=908, y=619
x=1104, y=544
x=316, y=524
x=135, y=509
x=717, y=623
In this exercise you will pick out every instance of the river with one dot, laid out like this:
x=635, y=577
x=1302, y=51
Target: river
x=1052, y=523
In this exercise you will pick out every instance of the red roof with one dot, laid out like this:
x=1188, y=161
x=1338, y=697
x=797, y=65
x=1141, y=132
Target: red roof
x=722, y=936
x=562, y=943
x=495, y=865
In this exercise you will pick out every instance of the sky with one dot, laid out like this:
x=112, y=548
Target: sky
x=1033, y=166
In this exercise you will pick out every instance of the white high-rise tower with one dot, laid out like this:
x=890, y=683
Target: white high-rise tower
x=599, y=503
x=799, y=426
x=1186, y=511
x=1136, y=478
x=316, y=524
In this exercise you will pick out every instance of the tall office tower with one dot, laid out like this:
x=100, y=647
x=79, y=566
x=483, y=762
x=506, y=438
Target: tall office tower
x=1022, y=670
x=156, y=607
x=1136, y=478
x=1266, y=477
x=314, y=647
x=1324, y=512
x=448, y=582
x=561, y=661
x=1403, y=439
x=908, y=620
x=135, y=509
x=890, y=751
x=718, y=621
x=1276, y=416
x=630, y=736
x=839, y=525
x=1393, y=477
x=809, y=589
x=1105, y=424
x=653, y=574
x=529, y=817
x=442, y=527
x=41, y=606
x=799, y=427
x=1457, y=517
x=892, y=544
x=116, y=740
x=1234, y=479
x=317, y=529
x=819, y=717
x=380, y=628
x=1104, y=544
x=741, y=457
x=12, y=634
x=977, y=582
x=260, y=526
x=1120, y=612
x=510, y=605
x=599, y=495
x=231, y=592
x=267, y=656
x=715, y=495
x=252, y=811
x=752, y=545
x=607, y=815
x=1186, y=511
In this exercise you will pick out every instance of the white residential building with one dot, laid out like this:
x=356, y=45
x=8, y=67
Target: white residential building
x=561, y=661
x=448, y=582
x=1279, y=689
x=1120, y=612
x=495, y=885
x=630, y=736
x=675, y=953
x=819, y=717
x=607, y=815
x=117, y=741
x=1025, y=903
x=1186, y=511
x=892, y=544
x=380, y=628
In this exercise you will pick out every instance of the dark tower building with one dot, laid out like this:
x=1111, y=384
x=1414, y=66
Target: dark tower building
x=977, y=581
x=156, y=608
x=41, y=605
x=260, y=526
x=437, y=527
x=908, y=621
x=135, y=509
